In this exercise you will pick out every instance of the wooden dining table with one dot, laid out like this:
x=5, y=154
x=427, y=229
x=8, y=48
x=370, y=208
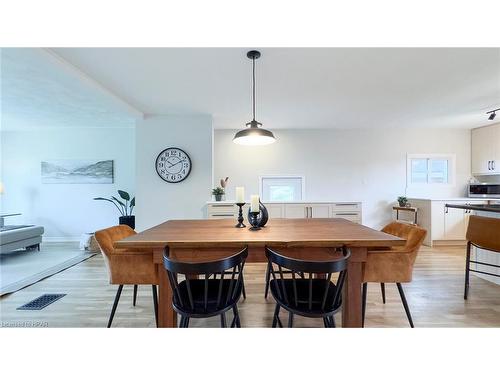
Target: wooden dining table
x=311, y=239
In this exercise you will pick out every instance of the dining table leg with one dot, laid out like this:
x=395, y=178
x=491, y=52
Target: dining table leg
x=167, y=317
x=351, y=305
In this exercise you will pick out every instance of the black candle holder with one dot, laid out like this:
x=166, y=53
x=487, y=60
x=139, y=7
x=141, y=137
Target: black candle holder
x=254, y=221
x=240, y=216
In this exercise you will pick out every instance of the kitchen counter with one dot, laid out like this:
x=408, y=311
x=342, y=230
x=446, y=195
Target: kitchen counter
x=476, y=207
x=453, y=199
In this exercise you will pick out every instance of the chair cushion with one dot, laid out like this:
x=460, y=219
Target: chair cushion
x=318, y=290
x=228, y=296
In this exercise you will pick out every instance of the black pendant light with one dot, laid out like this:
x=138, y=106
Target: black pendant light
x=254, y=135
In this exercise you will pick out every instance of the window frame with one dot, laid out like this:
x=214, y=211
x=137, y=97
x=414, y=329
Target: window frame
x=303, y=186
x=451, y=158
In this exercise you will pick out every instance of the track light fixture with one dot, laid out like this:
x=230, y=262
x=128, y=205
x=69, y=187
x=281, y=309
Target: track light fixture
x=492, y=114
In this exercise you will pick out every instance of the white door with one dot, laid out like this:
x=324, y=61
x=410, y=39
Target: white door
x=454, y=223
x=483, y=149
x=295, y=211
x=275, y=210
x=320, y=211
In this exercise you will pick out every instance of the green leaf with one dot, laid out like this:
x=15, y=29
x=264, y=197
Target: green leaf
x=124, y=195
x=103, y=199
x=132, y=202
x=119, y=201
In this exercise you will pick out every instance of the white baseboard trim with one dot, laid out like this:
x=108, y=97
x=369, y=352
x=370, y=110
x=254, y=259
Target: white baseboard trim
x=60, y=239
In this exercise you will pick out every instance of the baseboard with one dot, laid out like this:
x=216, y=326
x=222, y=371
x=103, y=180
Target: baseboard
x=442, y=243
x=60, y=239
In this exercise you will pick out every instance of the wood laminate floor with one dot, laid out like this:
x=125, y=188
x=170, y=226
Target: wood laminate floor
x=435, y=297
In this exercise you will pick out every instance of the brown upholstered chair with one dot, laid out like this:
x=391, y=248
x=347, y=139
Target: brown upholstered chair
x=482, y=233
x=395, y=264
x=126, y=266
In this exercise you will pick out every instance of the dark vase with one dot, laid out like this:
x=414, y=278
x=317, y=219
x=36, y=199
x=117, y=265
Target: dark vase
x=127, y=220
x=263, y=216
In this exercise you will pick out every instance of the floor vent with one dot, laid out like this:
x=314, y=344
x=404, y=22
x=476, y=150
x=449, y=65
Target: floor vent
x=41, y=302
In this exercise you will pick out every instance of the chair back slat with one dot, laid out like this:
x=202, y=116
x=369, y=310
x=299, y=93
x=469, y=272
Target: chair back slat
x=196, y=295
x=307, y=291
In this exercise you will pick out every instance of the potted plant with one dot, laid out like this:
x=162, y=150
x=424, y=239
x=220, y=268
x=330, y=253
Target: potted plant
x=219, y=192
x=403, y=201
x=125, y=207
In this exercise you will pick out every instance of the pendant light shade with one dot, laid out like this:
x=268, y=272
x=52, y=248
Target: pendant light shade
x=254, y=135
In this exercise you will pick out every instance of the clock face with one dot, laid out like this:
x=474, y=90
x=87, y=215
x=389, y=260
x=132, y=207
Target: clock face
x=173, y=165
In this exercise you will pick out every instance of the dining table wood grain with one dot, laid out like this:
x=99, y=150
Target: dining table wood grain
x=308, y=239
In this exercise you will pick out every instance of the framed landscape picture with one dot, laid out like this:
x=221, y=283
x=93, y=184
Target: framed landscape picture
x=77, y=171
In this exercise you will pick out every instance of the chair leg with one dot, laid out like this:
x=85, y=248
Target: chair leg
x=276, y=315
x=155, y=303
x=382, y=288
x=181, y=323
x=186, y=322
x=290, y=320
x=268, y=276
x=236, y=320
x=135, y=295
x=243, y=288
x=223, y=320
x=326, y=322
x=332, y=322
x=405, y=304
x=115, y=304
x=467, y=265
x=363, y=306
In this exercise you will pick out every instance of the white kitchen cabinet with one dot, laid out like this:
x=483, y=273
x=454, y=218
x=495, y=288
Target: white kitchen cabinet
x=443, y=225
x=320, y=211
x=296, y=211
x=345, y=210
x=276, y=210
x=454, y=223
x=485, y=150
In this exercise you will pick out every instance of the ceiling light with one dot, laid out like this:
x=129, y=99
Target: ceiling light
x=492, y=114
x=254, y=135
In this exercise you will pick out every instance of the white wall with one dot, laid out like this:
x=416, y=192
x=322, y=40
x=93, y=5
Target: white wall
x=158, y=200
x=359, y=165
x=65, y=210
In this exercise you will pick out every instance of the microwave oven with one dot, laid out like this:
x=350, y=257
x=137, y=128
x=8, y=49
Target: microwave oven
x=484, y=190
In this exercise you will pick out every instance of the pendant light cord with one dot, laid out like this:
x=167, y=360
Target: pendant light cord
x=253, y=85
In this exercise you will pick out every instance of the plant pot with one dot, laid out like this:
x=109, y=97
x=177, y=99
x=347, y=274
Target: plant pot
x=402, y=204
x=127, y=220
x=219, y=197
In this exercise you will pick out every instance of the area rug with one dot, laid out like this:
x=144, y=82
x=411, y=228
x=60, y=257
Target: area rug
x=22, y=268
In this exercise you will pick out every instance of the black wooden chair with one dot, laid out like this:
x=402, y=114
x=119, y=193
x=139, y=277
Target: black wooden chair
x=217, y=292
x=302, y=294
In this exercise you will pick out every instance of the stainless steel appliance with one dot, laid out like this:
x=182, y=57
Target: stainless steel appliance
x=484, y=190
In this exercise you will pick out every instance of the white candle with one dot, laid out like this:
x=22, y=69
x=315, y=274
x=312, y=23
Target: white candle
x=254, y=203
x=240, y=194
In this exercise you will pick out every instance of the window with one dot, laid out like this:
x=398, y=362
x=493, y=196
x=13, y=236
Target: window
x=430, y=169
x=282, y=188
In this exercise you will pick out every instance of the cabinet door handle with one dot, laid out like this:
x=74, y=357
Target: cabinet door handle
x=489, y=165
x=493, y=165
x=310, y=212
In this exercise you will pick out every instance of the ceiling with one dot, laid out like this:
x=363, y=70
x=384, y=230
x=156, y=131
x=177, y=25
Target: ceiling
x=296, y=87
x=38, y=90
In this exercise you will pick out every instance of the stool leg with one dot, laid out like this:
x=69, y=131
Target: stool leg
x=467, y=265
x=290, y=320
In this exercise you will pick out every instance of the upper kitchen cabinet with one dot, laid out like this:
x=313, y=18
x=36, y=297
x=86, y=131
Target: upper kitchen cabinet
x=486, y=150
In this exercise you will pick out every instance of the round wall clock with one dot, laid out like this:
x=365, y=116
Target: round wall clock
x=173, y=165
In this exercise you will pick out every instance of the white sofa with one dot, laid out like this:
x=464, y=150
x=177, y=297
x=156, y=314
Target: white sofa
x=14, y=237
